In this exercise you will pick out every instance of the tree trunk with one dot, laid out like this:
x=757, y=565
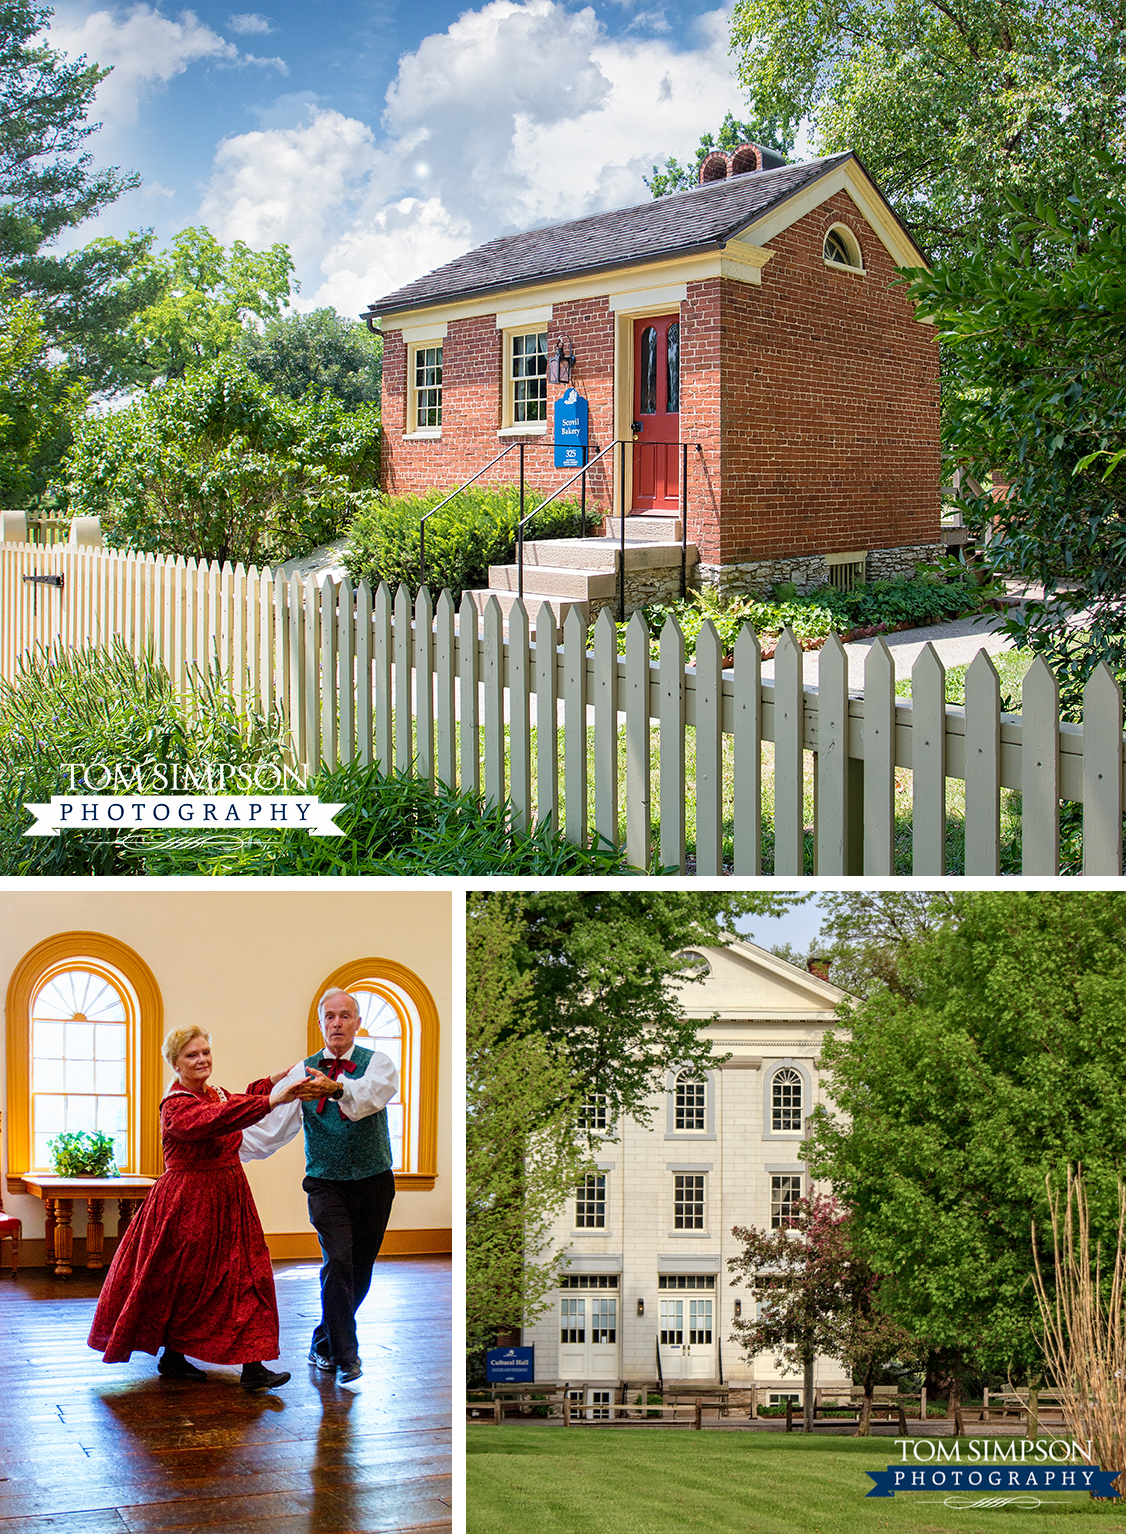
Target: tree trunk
x=807, y=1393
x=954, y=1396
x=864, y=1426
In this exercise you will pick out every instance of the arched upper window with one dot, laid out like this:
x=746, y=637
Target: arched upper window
x=399, y=1018
x=842, y=249
x=691, y=1101
x=786, y=1100
x=85, y=1020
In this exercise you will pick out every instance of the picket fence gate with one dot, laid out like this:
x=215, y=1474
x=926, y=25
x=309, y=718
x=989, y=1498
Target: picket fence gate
x=358, y=675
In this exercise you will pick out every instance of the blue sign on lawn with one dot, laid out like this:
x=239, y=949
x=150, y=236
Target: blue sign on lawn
x=571, y=416
x=511, y=1366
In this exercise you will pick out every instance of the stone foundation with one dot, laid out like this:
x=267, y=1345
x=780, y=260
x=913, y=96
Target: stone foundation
x=808, y=572
x=661, y=584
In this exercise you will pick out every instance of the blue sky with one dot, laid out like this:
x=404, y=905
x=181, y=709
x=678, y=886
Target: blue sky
x=799, y=926
x=379, y=140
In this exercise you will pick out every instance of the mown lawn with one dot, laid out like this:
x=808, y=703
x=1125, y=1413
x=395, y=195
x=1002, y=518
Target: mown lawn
x=554, y=1480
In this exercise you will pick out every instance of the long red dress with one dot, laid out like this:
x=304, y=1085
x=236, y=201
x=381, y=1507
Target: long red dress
x=192, y=1272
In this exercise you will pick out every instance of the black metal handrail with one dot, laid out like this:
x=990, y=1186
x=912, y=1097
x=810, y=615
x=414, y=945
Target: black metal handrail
x=566, y=485
x=504, y=452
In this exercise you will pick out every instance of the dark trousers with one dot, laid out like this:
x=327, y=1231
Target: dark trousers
x=349, y=1218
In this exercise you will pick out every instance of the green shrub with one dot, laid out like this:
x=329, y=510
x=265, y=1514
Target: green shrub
x=474, y=531
x=392, y=824
x=90, y=706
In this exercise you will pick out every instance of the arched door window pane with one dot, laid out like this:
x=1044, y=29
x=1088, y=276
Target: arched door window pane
x=672, y=360
x=786, y=1101
x=649, y=371
x=81, y=1020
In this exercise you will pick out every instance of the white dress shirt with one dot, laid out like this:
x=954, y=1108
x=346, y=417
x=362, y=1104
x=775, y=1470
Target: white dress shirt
x=363, y=1096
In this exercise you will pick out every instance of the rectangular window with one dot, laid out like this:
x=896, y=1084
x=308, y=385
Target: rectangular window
x=427, y=388
x=699, y=1323
x=528, y=381
x=592, y=1114
x=589, y=1281
x=573, y=1323
x=590, y=1204
x=599, y=1404
x=690, y=1103
x=785, y=1192
x=686, y=1281
x=688, y=1201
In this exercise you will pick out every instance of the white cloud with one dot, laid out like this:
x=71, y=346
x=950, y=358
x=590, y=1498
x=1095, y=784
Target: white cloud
x=145, y=49
x=521, y=113
x=247, y=22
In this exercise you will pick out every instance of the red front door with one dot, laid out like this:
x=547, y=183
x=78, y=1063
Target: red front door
x=656, y=404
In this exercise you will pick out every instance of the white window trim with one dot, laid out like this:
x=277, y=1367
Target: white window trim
x=509, y=426
x=704, y=1233
x=768, y=1075
x=422, y=433
x=851, y=243
x=671, y=1131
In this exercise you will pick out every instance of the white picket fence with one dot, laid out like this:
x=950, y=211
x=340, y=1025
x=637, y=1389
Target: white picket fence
x=357, y=675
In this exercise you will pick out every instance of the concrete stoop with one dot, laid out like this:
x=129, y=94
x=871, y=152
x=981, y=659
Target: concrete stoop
x=574, y=572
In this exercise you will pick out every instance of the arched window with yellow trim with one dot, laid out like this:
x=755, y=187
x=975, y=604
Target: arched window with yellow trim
x=398, y=1017
x=84, y=1024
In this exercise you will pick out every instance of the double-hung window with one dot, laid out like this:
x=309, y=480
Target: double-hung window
x=590, y=1203
x=528, y=376
x=688, y=1201
x=425, y=388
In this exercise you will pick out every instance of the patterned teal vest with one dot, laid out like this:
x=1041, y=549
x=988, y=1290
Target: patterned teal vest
x=338, y=1149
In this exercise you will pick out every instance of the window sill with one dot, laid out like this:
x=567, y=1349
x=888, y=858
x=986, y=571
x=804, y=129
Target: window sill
x=690, y=1235
x=524, y=429
x=839, y=266
x=424, y=434
x=415, y=1182
x=590, y=1231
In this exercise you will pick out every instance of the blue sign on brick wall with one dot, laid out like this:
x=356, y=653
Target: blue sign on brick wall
x=571, y=418
x=511, y=1366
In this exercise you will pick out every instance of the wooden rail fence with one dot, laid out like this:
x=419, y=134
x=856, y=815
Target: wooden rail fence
x=359, y=675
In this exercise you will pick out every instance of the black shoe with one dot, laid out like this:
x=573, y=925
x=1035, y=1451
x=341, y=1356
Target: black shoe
x=258, y=1377
x=174, y=1366
x=319, y=1361
x=351, y=1371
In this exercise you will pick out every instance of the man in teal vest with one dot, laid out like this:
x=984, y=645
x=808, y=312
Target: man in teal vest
x=348, y=1178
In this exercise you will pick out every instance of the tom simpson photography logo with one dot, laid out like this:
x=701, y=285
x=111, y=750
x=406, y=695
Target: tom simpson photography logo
x=993, y=1473
x=170, y=796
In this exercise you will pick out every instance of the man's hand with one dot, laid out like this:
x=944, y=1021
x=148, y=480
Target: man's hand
x=317, y=1084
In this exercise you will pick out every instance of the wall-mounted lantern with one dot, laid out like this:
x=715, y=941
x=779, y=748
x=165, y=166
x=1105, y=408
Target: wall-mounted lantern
x=738, y=1309
x=561, y=365
x=641, y=1307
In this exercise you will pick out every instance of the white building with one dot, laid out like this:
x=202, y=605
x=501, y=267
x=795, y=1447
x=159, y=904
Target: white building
x=645, y=1292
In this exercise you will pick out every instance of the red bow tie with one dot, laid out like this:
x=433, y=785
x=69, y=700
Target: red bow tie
x=331, y=1066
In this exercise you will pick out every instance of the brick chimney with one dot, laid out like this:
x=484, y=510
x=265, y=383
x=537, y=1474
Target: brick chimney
x=748, y=157
x=819, y=967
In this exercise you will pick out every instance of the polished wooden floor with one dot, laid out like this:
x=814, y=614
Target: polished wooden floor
x=93, y=1448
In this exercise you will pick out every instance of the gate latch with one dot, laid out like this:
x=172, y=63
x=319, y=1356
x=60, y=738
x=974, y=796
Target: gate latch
x=45, y=580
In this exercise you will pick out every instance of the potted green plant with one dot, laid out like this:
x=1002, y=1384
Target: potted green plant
x=83, y=1155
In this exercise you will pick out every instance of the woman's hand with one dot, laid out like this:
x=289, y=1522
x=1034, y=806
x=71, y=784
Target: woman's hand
x=280, y=1076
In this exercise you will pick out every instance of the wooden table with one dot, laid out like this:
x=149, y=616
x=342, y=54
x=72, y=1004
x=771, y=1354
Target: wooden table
x=58, y=1195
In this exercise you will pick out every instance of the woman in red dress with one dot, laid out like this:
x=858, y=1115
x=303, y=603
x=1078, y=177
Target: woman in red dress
x=192, y=1273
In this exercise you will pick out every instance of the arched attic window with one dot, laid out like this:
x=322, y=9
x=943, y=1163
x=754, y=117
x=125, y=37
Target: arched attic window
x=841, y=249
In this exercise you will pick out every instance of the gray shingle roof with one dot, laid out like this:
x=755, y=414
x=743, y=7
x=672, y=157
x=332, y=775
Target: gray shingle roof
x=662, y=228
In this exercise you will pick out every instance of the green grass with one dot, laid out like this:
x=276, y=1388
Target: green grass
x=580, y=1480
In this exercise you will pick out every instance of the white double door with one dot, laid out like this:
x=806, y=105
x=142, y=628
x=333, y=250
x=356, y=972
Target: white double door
x=588, y=1337
x=687, y=1340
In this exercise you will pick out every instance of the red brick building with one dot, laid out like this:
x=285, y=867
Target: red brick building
x=753, y=318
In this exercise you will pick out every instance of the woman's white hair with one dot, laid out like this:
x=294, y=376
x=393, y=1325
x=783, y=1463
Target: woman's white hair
x=179, y=1039
x=336, y=991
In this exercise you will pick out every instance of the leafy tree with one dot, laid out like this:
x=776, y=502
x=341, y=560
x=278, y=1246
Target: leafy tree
x=865, y=934
x=319, y=354
x=214, y=466
x=952, y=105
x=992, y=1065
x=48, y=182
x=514, y=1078
x=36, y=401
x=204, y=295
x=818, y=1295
x=772, y=133
x=608, y=966
x=1035, y=350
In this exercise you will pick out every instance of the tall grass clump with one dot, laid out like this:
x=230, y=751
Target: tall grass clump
x=1085, y=1324
x=477, y=529
x=107, y=706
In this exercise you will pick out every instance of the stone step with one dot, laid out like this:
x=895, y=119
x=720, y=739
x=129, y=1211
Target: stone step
x=602, y=553
x=560, y=606
x=548, y=581
x=652, y=529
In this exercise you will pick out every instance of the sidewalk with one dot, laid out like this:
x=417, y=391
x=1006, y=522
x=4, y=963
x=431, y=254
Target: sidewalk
x=956, y=643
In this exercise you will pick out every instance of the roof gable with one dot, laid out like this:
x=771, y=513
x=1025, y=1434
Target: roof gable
x=697, y=221
x=746, y=981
